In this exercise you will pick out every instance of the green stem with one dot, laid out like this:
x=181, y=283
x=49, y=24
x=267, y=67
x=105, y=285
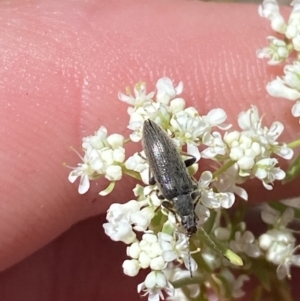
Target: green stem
x=187, y=281
x=294, y=144
x=126, y=140
x=227, y=219
x=223, y=168
x=131, y=173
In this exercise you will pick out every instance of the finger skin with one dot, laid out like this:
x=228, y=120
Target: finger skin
x=82, y=264
x=63, y=65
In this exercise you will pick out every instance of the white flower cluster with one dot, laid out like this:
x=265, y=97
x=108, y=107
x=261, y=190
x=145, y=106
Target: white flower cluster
x=103, y=156
x=241, y=241
x=153, y=251
x=279, y=50
x=156, y=240
x=279, y=242
x=287, y=86
x=246, y=154
x=167, y=110
x=245, y=243
x=250, y=152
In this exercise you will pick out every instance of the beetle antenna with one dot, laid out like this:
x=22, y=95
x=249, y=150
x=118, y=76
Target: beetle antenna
x=189, y=257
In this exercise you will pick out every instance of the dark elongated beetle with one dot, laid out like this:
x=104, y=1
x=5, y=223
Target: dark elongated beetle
x=170, y=174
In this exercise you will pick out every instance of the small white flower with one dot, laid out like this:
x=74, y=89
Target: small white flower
x=237, y=291
x=103, y=156
x=149, y=195
x=278, y=88
x=138, y=163
x=96, y=141
x=131, y=267
x=140, y=97
x=266, y=171
x=235, y=284
x=291, y=75
x=244, y=150
x=166, y=90
x=263, y=140
x=188, y=126
x=157, y=263
x=277, y=52
x=222, y=234
x=288, y=260
x=289, y=85
x=113, y=173
x=216, y=118
x=149, y=252
x=217, y=200
x=274, y=241
x=270, y=10
x=227, y=181
x=293, y=28
x=87, y=170
x=115, y=141
x=250, y=120
x=245, y=243
x=142, y=219
x=118, y=212
x=202, y=214
x=211, y=199
x=157, y=112
x=177, y=249
x=177, y=105
x=215, y=143
x=121, y=231
x=149, y=243
x=276, y=219
x=154, y=285
x=123, y=218
x=134, y=250
x=280, y=250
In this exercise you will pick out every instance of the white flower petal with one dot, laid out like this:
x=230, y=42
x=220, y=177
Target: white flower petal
x=277, y=88
x=113, y=173
x=84, y=184
x=216, y=116
x=193, y=150
x=121, y=232
x=131, y=267
x=169, y=256
x=296, y=109
x=115, y=140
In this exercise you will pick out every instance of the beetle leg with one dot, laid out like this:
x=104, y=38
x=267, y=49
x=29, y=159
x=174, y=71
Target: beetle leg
x=169, y=206
x=196, y=195
x=189, y=162
x=151, y=180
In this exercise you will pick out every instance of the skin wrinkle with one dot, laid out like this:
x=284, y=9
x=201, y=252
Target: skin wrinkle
x=131, y=52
